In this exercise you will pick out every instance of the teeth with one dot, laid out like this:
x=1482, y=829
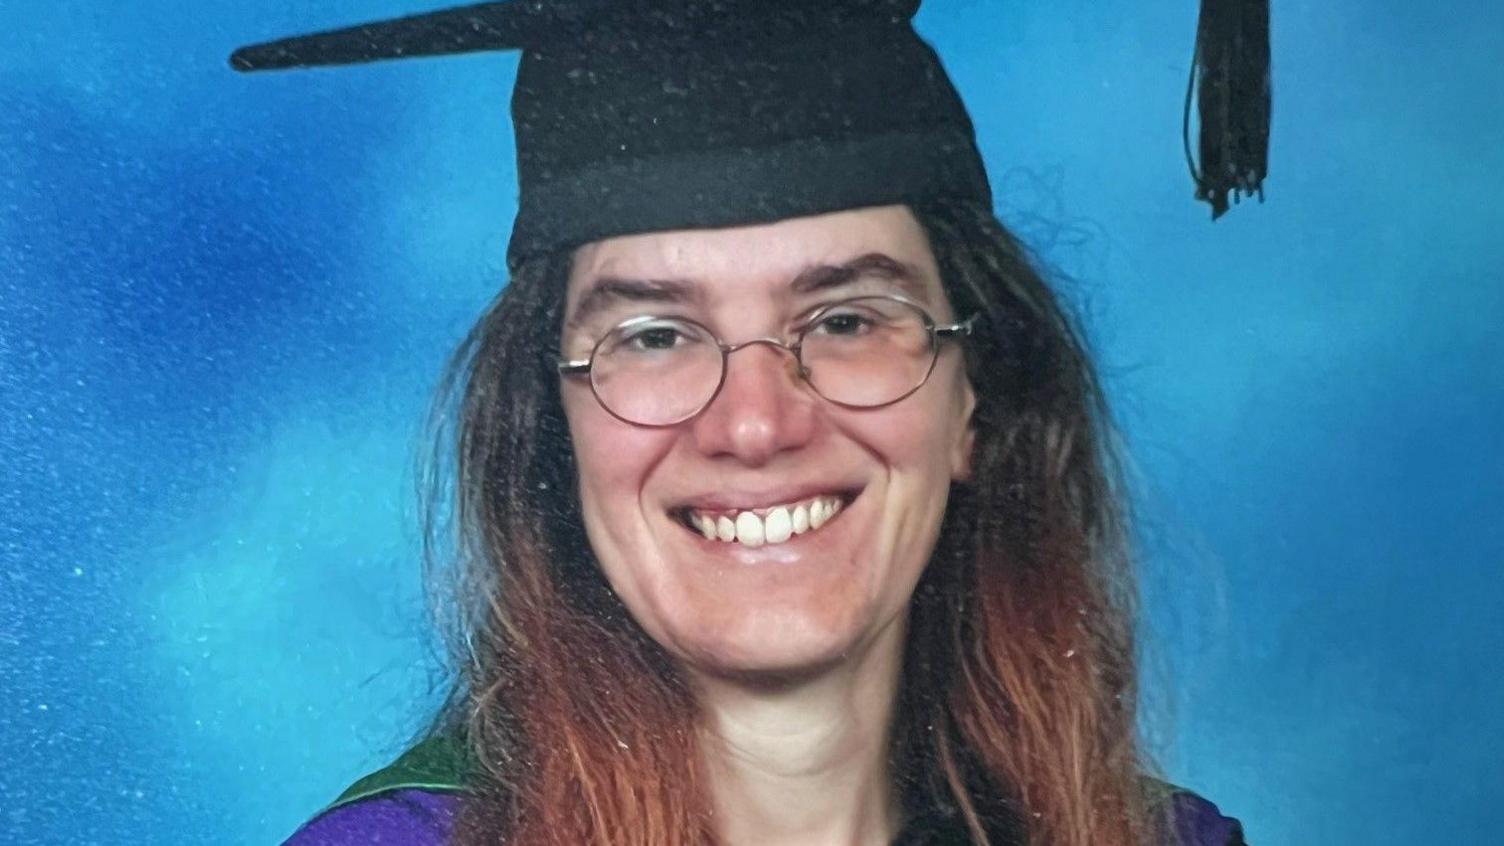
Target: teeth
x=749, y=531
x=778, y=524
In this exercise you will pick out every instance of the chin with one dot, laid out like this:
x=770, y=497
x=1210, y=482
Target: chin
x=768, y=644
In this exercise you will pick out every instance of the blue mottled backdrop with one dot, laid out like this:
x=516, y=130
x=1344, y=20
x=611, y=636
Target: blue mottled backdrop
x=224, y=301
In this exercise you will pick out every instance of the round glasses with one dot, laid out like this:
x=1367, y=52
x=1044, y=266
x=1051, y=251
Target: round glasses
x=864, y=352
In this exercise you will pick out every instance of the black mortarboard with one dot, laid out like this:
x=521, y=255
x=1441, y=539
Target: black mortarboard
x=647, y=115
x=636, y=116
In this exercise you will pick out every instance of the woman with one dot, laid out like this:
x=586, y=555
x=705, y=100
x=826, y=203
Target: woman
x=786, y=503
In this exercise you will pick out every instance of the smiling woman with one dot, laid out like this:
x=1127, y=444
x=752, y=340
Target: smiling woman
x=785, y=502
x=948, y=649
x=768, y=445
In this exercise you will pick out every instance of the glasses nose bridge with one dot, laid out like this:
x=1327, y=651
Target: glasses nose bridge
x=767, y=340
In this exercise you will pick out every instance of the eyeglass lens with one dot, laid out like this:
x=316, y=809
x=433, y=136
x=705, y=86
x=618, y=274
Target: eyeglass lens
x=862, y=352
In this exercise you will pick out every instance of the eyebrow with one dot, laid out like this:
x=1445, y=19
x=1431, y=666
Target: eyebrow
x=824, y=277
x=606, y=291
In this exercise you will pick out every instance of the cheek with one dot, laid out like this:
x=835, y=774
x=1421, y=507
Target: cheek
x=614, y=462
x=920, y=434
x=917, y=441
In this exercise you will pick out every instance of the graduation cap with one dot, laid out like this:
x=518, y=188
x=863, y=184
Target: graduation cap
x=648, y=115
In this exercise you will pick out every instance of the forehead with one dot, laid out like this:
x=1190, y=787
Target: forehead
x=756, y=259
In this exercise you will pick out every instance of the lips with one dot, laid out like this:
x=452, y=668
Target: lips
x=771, y=524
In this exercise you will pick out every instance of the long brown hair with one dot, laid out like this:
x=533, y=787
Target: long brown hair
x=1017, y=707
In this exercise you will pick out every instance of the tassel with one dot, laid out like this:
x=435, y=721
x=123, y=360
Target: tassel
x=1230, y=73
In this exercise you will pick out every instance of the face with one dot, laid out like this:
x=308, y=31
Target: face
x=767, y=441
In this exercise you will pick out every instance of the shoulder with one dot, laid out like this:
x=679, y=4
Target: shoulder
x=412, y=801
x=403, y=817
x=1194, y=821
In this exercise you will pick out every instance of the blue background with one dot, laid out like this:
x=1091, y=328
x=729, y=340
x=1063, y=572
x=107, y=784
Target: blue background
x=224, y=301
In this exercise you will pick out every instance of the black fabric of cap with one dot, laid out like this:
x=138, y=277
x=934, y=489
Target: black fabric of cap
x=648, y=115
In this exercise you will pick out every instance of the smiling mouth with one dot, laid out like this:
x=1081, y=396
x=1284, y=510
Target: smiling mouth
x=762, y=526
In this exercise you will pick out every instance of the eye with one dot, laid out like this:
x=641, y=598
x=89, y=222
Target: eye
x=657, y=335
x=656, y=338
x=841, y=323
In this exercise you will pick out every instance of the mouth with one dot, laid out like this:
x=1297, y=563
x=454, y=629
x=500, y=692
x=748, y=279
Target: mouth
x=768, y=525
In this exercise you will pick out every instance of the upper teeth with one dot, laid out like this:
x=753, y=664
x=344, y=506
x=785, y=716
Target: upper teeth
x=775, y=525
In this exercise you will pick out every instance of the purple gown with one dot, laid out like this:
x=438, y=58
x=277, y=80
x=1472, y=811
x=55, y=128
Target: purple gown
x=425, y=818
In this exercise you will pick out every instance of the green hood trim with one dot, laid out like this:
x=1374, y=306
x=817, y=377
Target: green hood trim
x=441, y=763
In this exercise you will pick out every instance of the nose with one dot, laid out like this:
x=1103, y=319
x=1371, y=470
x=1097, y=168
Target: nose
x=763, y=407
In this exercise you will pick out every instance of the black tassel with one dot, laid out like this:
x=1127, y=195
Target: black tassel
x=1230, y=71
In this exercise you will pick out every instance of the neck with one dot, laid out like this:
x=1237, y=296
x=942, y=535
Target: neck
x=806, y=762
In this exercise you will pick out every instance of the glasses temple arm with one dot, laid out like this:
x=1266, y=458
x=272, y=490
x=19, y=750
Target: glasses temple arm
x=963, y=328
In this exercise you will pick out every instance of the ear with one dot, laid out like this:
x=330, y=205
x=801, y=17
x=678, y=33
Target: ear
x=966, y=435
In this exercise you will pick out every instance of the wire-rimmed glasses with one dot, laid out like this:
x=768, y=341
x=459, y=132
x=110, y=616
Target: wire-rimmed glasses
x=863, y=352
